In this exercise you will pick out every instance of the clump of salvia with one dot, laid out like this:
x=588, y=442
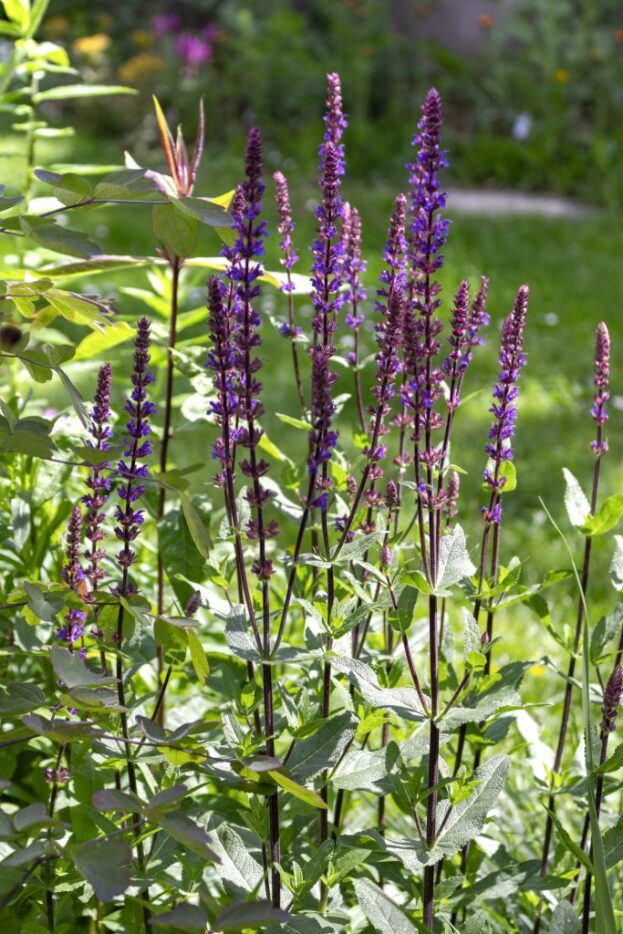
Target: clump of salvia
x=343, y=629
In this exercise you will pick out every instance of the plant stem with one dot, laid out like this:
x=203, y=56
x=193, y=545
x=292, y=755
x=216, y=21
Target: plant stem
x=176, y=265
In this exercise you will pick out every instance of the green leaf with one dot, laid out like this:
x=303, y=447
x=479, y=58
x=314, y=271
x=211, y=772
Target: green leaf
x=406, y=607
x=72, y=189
x=294, y=422
x=105, y=864
x=250, y=915
x=570, y=844
x=48, y=233
x=173, y=641
x=196, y=526
x=72, y=91
x=44, y=605
x=18, y=11
x=606, y=517
x=73, y=671
x=303, y=794
x=177, y=231
x=237, y=866
x=21, y=697
x=564, y=919
x=467, y=818
x=382, y=913
x=59, y=730
x=577, y=506
x=477, y=924
x=183, y=917
x=616, y=565
x=403, y=701
x=100, y=341
x=111, y=799
x=198, y=656
x=180, y=555
x=454, y=561
x=186, y=832
x=322, y=750
x=205, y=210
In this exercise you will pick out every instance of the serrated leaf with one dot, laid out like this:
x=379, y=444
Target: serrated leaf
x=616, y=564
x=576, y=503
x=321, y=751
x=564, y=919
x=403, y=701
x=382, y=913
x=454, y=561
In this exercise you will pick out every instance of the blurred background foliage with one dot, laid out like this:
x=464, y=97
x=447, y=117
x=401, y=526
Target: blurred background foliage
x=533, y=88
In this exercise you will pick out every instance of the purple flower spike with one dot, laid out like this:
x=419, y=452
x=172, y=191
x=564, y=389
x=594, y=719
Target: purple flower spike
x=221, y=360
x=453, y=490
x=139, y=408
x=335, y=123
x=429, y=230
x=389, y=329
x=97, y=482
x=505, y=394
x=322, y=439
x=352, y=265
x=73, y=575
x=285, y=227
x=612, y=700
x=243, y=273
x=602, y=387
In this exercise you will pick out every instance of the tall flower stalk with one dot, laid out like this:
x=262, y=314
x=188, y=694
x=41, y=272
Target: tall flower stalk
x=427, y=234
x=99, y=485
x=352, y=269
x=288, y=260
x=599, y=447
x=243, y=394
x=129, y=521
x=183, y=169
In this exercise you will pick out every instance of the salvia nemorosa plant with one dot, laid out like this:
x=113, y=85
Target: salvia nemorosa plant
x=336, y=654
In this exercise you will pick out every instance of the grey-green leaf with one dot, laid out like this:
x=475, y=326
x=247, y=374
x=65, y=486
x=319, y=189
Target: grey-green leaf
x=382, y=913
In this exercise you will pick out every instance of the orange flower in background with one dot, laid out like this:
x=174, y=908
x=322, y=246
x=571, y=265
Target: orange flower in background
x=485, y=21
x=142, y=38
x=618, y=36
x=56, y=26
x=143, y=69
x=561, y=76
x=92, y=46
x=422, y=9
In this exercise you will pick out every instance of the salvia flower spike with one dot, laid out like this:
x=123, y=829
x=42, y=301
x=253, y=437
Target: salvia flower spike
x=73, y=575
x=504, y=408
x=602, y=387
x=129, y=469
x=612, y=700
x=285, y=227
x=98, y=481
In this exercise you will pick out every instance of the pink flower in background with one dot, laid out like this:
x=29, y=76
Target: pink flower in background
x=165, y=23
x=193, y=50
